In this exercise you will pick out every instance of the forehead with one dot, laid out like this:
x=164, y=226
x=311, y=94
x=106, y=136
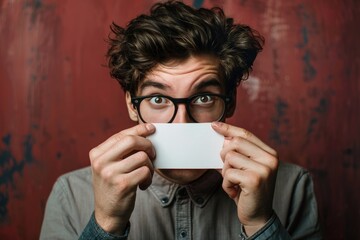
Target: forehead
x=183, y=75
x=190, y=65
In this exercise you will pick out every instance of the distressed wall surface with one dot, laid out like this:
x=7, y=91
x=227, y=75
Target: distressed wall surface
x=57, y=100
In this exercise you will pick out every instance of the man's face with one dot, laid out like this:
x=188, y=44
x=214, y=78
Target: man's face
x=183, y=79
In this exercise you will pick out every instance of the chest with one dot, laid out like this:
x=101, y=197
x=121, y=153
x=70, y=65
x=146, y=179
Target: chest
x=184, y=219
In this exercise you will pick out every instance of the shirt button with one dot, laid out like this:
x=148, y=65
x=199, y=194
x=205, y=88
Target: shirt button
x=199, y=200
x=183, y=234
x=164, y=200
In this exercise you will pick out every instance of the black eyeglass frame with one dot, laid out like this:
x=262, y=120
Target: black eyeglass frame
x=136, y=101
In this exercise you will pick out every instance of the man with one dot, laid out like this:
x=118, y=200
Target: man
x=181, y=65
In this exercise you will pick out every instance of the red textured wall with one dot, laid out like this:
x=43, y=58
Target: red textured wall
x=57, y=100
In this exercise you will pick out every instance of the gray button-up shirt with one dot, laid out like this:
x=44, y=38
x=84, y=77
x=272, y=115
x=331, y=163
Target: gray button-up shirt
x=201, y=210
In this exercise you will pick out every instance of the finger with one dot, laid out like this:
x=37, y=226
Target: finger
x=234, y=159
x=236, y=180
x=135, y=161
x=115, y=172
x=248, y=150
x=146, y=183
x=232, y=131
x=143, y=130
x=131, y=163
x=140, y=176
x=238, y=161
x=248, y=181
x=127, y=146
x=231, y=188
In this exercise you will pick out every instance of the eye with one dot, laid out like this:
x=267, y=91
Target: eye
x=204, y=99
x=158, y=100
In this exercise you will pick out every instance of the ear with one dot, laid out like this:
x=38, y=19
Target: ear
x=231, y=107
x=133, y=114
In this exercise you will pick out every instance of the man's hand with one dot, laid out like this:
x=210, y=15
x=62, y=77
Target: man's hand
x=119, y=165
x=249, y=173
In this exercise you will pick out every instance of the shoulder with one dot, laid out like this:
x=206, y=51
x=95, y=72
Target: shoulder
x=292, y=182
x=290, y=171
x=77, y=181
x=70, y=203
x=293, y=185
x=292, y=178
x=81, y=175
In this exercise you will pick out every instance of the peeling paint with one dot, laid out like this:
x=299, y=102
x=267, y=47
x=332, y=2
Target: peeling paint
x=280, y=121
x=35, y=6
x=305, y=38
x=10, y=166
x=309, y=69
x=317, y=112
x=311, y=125
x=323, y=106
x=307, y=21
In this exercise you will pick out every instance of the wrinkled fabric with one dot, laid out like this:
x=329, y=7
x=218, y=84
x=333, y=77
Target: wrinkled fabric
x=200, y=210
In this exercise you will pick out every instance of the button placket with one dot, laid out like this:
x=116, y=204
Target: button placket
x=183, y=215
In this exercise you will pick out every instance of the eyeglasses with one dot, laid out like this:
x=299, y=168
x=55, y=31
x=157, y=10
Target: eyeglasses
x=205, y=107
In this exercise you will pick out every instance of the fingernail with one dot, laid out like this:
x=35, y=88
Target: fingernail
x=150, y=127
x=217, y=124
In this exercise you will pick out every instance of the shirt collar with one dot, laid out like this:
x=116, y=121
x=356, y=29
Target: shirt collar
x=199, y=191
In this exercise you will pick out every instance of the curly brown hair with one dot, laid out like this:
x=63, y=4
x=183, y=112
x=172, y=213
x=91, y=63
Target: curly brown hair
x=174, y=30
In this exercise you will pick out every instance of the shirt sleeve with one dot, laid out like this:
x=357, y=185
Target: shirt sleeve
x=303, y=219
x=94, y=231
x=273, y=229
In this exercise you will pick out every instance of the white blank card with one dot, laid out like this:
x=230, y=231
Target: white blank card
x=187, y=146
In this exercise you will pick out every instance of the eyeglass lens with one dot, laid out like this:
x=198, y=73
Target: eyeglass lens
x=160, y=109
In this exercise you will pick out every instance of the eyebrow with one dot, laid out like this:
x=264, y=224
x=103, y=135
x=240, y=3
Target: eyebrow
x=204, y=84
x=209, y=83
x=151, y=83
